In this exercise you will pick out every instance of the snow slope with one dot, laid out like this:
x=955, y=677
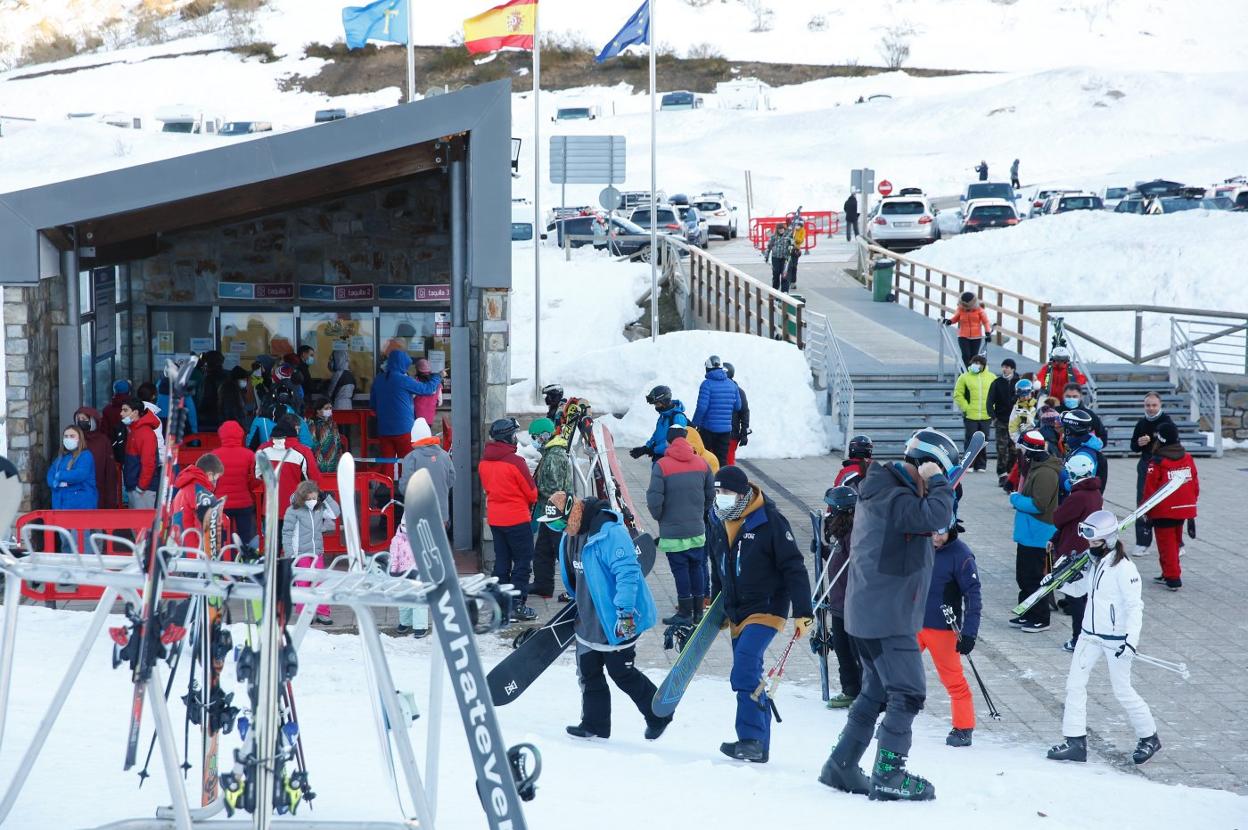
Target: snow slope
x=1097, y=258
x=618, y=784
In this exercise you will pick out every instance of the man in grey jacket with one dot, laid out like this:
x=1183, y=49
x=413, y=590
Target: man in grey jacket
x=681, y=491
x=427, y=454
x=899, y=506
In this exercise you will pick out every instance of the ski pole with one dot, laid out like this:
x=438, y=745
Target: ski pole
x=1179, y=668
x=776, y=672
x=952, y=620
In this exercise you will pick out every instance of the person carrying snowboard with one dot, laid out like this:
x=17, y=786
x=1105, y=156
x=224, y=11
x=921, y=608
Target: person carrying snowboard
x=955, y=581
x=554, y=474
x=1111, y=629
x=510, y=494
x=838, y=526
x=671, y=412
x=681, y=491
x=899, y=507
x=602, y=575
x=760, y=574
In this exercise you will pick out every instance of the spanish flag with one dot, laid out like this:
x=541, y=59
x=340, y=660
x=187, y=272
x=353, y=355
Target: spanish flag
x=509, y=26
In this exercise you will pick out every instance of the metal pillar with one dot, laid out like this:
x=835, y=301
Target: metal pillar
x=463, y=394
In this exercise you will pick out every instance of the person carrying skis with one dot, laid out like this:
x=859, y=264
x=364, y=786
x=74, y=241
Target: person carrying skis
x=973, y=326
x=552, y=395
x=1034, y=505
x=1141, y=442
x=1059, y=371
x=854, y=469
x=71, y=475
x=1111, y=629
x=554, y=475
x=681, y=491
x=1085, y=498
x=601, y=573
x=718, y=403
x=955, y=581
x=1170, y=461
x=671, y=412
x=392, y=398
x=308, y=518
x=970, y=393
x=838, y=526
x=1079, y=439
x=510, y=496
x=779, y=249
x=851, y=217
x=139, y=469
x=899, y=506
x=740, y=418
x=1000, y=407
x=760, y=574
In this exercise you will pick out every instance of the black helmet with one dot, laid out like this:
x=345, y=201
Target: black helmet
x=504, y=429
x=659, y=396
x=861, y=446
x=729, y=370
x=713, y=362
x=932, y=445
x=553, y=393
x=841, y=499
x=1076, y=421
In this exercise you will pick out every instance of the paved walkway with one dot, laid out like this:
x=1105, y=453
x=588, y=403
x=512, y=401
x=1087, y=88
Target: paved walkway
x=1200, y=721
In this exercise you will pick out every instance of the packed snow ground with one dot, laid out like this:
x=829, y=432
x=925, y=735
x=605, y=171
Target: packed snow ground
x=608, y=784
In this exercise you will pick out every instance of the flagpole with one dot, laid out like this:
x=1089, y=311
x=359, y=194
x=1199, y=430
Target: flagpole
x=538, y=224
x=654, y=187
x=411, y=54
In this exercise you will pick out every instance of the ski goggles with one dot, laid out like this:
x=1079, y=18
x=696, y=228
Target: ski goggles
x=1087, y=531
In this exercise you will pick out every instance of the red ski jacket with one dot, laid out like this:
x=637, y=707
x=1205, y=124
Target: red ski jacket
x=1181, y=504
x=509, y=489
x=238, y=484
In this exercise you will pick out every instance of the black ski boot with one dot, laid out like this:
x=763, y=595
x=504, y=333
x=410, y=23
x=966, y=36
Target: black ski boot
x=959, y=737
x=699, y=608
x=683, y=616
x=656, y=727
x=841, y=770
x=579, y=731
x=747, y=750
x=1074, y=749
x=1146, y=748
x=891, y=782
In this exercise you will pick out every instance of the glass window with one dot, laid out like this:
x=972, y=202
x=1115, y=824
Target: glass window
x=85, y=358
x=352, y=332
x=245, y=335
x=103, y=381
x=173, y=330
x=85, y=304
x=420, y=334
x=902, y=208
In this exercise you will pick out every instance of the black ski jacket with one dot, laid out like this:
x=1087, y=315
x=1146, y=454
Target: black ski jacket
x=762, y=571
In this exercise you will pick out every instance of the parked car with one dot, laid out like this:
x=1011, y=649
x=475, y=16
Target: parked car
x=1158, y=187
x=1067, y=202
x=630, y=199
x=245, y=127
x=325, y=116
x=1173, y=204
x=178, y=120
x=696, y=230
x=680, y=100
x=554, y=214
x=902, y=222
x=982, y=214
x=626, y=238
x=1035, y=204
x=1111, y=196
x=577, y=112
x=667, y=220
x=988, y=190
x=721, y=215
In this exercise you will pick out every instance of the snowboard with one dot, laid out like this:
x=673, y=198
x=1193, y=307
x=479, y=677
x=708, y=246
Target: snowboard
x=668, y=695
x=624, y=502
x=822, y=635
x=542, y=646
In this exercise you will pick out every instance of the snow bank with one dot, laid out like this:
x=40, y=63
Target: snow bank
x=679, y=781
x=1097, y=257
x=783, y=413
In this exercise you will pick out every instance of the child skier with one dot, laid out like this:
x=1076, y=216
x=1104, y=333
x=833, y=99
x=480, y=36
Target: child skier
x=307, y=520
x=411, y=620
x=1111, y=628
x=955, y=578
x=854, y=469
x=838, y=525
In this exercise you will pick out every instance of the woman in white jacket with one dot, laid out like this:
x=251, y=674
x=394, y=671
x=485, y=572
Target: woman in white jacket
x=304, y=526
x=1111, y=627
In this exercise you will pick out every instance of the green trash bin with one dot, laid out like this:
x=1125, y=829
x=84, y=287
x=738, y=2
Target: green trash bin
x=790, y=311
x=882, y=280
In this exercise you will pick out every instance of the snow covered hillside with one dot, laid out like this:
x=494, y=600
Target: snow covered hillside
x=613, y=783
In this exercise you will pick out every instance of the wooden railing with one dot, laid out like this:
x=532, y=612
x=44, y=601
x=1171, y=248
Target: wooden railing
x=934, y=293
x=725, y=298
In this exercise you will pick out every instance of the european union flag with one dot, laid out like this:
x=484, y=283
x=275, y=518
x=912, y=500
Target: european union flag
x=636, y=30
x=382, y=20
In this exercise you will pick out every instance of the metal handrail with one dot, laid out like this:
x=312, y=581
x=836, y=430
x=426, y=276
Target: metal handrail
x=947, y=342
x=831, y=373
x=1224, y=344
x=1188, y=369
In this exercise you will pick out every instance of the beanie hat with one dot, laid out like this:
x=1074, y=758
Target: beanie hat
x=541, y=425
x=733, y=479
x=1033, y=441
x=420, y=430
x=1168, y=433
x=122, y=387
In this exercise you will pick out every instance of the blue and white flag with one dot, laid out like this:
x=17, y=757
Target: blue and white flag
x=635, y=31
x=382, y=20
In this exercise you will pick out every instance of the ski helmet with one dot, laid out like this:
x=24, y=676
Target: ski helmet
x=659, y=396
x=729, y=370
x=1077, y=422
x=1023, y=388
x=1060, y=353
x=1100, y=525
x=1080, y=466
x=713, y=362
x=932, y=445
x=841, y=499
x=861, y=446
x=504, y=429
x=552, y=393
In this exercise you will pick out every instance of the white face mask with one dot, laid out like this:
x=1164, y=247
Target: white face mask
x=259, y=373
x=311, y=503
x=242, y=384
x=128, y=420
x=725, y=501
x=976, y=368
x=70, y=443
x=327, y=414
x=311, y=359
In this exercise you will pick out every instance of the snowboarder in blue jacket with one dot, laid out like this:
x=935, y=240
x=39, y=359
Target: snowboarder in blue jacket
x=719, y=400
x=671, y=413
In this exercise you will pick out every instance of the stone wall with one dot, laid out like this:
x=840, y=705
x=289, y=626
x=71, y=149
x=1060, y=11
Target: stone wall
x=31, y=315
x=1234, y=409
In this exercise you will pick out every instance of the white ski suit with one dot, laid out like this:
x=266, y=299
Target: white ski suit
x=1114, y=615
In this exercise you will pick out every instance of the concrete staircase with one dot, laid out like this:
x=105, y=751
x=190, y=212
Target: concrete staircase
x=889, y=408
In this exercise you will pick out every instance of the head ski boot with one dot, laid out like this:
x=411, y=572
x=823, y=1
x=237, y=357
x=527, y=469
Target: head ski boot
x=959, y=737
x=1146, y=748
x=841, y=770
x=1074, y=749
x=891, y=782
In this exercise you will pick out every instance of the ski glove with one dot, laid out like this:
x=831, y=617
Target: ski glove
x=638, y=452
x=802, y=625
x=625, y=625
x=947, y=322
x=1122, y=649
x=965, y=644
x=745, y=439
x=1191, y=528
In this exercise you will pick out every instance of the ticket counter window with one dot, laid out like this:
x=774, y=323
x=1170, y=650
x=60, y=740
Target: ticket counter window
x=350, y=332
x=245, y=335
x=421, y=334
x=178, y=333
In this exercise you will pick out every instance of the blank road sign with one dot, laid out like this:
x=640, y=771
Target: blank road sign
x=587, y=159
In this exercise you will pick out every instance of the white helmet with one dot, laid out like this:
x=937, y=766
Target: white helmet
x=1099, y=525
x=713, y=362
x=1060, y=353
x=1080, y=466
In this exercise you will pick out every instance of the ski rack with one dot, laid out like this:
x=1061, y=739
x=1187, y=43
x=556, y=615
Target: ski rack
x=190, y=573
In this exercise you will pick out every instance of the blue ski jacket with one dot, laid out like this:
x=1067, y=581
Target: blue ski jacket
x=73, y=482
x=667, y=418
x=392, y=394
x=955, y=577
x=718, y=400
x=602, y=564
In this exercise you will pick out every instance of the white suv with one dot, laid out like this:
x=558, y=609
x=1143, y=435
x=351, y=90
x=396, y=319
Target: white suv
x=902, y=222
x=720, y=214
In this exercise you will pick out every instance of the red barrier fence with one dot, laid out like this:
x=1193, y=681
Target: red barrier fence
x=817, y=222
x=124, y=523
x=374, y=503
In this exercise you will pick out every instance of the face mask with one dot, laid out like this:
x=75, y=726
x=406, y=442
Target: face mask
x=327, y=414
x=976, y=368
x=242, y=384
x=128, y=420
x=310, y=360
x=259, y=373
x=1071, y=403
x=725, y=501
x=311, y=504
x=1154, y=416
x=86, y=426
x=70, y=443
